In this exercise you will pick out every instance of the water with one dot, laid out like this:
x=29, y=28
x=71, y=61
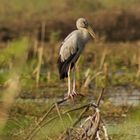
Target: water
x=118, y=96
x=124, y=96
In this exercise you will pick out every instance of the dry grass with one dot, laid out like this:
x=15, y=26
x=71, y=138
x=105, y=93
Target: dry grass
x=8, y=99
x=118, y=24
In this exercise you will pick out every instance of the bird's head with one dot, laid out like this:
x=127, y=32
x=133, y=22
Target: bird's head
x=82, y=23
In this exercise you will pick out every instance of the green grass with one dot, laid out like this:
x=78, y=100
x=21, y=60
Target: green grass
x=13, y=51
x=12, y=58
x=17, y=127
x=128, y=129
x=24, y=115
x=55, y=128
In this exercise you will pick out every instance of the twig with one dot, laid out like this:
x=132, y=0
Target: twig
x=59, y=114
x=100, y=97
x=96, y=124
x=90, y=78
x=96, y=118
x=105, y=132
x=103, y=58
x=81, y=115
x=29, y=136
x=98, y=135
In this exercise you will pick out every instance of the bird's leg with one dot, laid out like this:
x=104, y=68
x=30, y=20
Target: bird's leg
x=74, y=81
x=69, y=87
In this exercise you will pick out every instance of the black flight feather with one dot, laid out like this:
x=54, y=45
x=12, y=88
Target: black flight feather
x=64, y=66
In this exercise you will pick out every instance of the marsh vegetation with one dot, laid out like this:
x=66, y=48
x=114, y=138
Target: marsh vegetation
x=30, y=35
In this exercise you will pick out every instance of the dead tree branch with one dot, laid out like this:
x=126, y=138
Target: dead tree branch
x=90, y=128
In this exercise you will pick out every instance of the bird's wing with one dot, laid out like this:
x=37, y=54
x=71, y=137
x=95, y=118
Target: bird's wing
x=70, y=35
x=63, y=66
x=69, y=46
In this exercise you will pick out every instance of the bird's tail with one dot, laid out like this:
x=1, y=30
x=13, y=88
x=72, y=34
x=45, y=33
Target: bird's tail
x=63, y=68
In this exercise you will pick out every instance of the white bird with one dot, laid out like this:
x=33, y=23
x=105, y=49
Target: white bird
x=70, y=50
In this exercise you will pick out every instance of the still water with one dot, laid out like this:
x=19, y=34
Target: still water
x=118, y=96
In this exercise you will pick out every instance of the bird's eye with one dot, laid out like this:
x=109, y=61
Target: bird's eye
x=85, y=24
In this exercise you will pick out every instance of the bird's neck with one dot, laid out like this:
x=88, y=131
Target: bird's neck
x=85, y=35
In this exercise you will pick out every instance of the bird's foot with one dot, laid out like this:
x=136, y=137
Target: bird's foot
x=72, y=95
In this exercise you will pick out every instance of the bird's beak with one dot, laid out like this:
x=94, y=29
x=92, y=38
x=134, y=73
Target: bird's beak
x=91, y=32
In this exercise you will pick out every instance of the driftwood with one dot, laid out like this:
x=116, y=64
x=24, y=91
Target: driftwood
x=84, y=128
